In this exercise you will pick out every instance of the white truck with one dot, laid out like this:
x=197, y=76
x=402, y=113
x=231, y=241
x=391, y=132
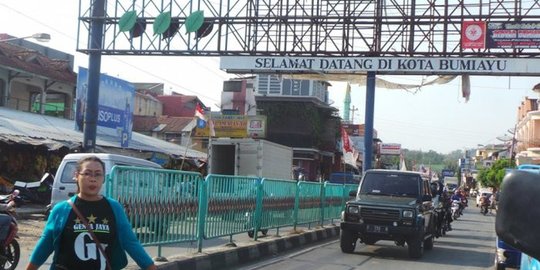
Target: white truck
x=64, y=185
x=250, y=157
x=451, y=183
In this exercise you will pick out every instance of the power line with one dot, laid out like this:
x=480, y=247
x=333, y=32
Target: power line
x=145, y=71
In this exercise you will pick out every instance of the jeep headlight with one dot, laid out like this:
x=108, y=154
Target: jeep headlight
x=408, y=214
x=353, y=209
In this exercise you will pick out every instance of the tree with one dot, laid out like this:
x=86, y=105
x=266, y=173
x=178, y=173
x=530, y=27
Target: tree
x=493, y=176
x=451, y=160
x=415, y=158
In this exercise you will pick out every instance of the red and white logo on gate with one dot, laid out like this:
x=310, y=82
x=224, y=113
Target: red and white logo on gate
x=473, y=35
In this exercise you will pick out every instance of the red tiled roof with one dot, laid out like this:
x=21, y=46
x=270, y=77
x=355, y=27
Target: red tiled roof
x=30, y=61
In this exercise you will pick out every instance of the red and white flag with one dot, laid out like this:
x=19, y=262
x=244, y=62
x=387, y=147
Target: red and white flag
x=345, y=141
x=350, y=155
x=199, y=112
x=211, y=127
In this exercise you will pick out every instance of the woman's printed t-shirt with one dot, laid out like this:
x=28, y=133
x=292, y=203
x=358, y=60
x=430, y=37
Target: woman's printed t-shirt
x=77, y=248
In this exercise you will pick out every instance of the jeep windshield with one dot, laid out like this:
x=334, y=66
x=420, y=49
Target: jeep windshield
x=401, y=185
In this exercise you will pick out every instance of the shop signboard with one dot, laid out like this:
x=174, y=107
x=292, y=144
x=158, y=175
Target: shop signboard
x=355, y=130
x=234, y=126
x=390, y=148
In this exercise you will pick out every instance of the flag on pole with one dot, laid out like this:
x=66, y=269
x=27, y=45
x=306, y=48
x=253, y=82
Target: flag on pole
x=345, y=141
x=199, y=112
x=350, y=155
x=402, y=164
x=211, y=127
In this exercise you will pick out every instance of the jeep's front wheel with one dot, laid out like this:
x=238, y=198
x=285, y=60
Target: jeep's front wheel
x=347, y=241
x=428, y=243
x=416, y=247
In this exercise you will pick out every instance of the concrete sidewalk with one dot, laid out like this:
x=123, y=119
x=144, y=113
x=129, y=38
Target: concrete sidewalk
x=225, y=257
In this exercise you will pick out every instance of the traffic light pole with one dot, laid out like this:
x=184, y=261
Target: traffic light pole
x=94, y=69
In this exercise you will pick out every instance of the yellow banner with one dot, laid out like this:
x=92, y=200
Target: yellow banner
x=234, y=126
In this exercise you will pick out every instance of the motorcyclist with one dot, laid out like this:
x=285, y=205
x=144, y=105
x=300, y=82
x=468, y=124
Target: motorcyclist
x=494, y=200
x=447, y=205
x=485, y=201
x=458, y=196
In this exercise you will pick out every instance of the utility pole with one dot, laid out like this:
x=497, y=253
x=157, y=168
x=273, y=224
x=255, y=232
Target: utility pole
x=512, y=156
x=94, y=69
x=354, y=109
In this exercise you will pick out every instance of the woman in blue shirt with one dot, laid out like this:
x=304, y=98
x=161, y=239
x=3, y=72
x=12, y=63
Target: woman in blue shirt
x=74, y=247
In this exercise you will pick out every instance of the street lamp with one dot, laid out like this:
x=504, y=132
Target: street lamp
x=41, y=37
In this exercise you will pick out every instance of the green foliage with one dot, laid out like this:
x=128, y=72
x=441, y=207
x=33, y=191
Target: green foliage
x=451, y=160
x=431, y=159
x=389, y=162
x=436, y=161
x=493, y=176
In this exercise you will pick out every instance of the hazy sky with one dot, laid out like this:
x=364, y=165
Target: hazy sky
x=434, y=118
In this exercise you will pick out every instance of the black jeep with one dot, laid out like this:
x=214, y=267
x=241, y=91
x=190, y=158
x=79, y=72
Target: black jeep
x=390, y=205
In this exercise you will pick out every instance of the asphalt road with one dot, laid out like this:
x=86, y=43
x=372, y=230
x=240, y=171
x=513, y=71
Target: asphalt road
x=470, y=245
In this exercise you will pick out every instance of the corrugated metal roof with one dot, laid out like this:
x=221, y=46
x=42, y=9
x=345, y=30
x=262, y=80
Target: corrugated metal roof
x=53, y=132
x=164, y=123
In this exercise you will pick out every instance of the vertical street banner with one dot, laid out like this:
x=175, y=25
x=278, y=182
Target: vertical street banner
x=473, y=35
x=115, y=106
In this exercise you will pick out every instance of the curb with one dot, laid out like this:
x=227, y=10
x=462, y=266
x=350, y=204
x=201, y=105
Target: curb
x=228, y=257
x=25, y=213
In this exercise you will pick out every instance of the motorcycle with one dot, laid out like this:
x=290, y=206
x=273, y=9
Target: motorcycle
x=456, y=209
x=442, y=222
x=13, y=196
x=10, y=251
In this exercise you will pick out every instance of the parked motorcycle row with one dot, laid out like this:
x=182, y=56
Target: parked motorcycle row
x=34, y=192
x=10, y=251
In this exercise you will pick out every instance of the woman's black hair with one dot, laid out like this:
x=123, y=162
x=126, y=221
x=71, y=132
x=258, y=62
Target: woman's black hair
x=89, y=158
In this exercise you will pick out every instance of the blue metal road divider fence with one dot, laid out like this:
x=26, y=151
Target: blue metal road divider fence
x=170, y=206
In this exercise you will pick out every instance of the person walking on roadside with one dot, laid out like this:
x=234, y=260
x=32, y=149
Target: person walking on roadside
x=89, y=230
